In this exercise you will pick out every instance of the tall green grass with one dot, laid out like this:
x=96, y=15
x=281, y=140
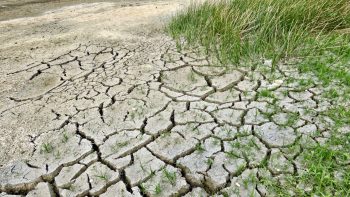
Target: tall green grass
x=239, y=30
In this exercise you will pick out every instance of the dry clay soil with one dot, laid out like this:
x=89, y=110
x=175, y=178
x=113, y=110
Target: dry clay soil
x=96, y=100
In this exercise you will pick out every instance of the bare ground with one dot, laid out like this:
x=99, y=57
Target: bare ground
x=56, y=32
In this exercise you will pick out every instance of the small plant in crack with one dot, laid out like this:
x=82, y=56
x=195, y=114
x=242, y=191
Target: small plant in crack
x=243, y=132
x=170, y=176
x=241, y=168
x=309, y=111
x=152, y=173
x=285, y=93
x=245, y=93
x=227, y=129
x=290, y=80
x=195, y=129
x=291, y=120
x=65, y=137
x=158, y=189
x=232, y=155
x=266, y=94
x=225, y=194
x=268, y=115
x=142, y=188
x=210, y=161
x=199, y=147
x=253, y=144
x=251, y=179
x=101, y=175
x=46, y=148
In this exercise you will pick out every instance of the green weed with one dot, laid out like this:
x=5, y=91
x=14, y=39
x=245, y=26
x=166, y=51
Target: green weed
x=266, y=93
x=65, y=137
x=199, y=147
x=158, y=189
x=170, y=176
x=46, y=147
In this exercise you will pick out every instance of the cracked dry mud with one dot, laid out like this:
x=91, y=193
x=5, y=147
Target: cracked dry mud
x=123, y=119
x=146, y=119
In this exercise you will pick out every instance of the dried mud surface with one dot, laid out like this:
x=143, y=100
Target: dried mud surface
x=98, y=103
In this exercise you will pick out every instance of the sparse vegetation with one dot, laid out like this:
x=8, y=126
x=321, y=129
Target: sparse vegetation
x=100, y=174
x=324, y=172
x=314, y=37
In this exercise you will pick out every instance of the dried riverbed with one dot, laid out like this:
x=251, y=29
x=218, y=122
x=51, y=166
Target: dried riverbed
x=96, y=100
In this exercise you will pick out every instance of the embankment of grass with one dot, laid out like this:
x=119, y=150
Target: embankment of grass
x=240, y=30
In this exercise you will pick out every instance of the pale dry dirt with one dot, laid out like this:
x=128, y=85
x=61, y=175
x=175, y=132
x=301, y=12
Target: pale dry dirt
x=96, y=100
x=25, y=41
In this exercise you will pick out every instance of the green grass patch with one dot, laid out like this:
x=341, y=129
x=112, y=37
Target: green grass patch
x=326, y=172
x=241, y=30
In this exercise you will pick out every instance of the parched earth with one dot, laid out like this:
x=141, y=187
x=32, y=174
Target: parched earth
x=140, y=117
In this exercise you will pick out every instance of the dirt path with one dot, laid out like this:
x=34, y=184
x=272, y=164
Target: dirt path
x=11, y=9
x=95, y=100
